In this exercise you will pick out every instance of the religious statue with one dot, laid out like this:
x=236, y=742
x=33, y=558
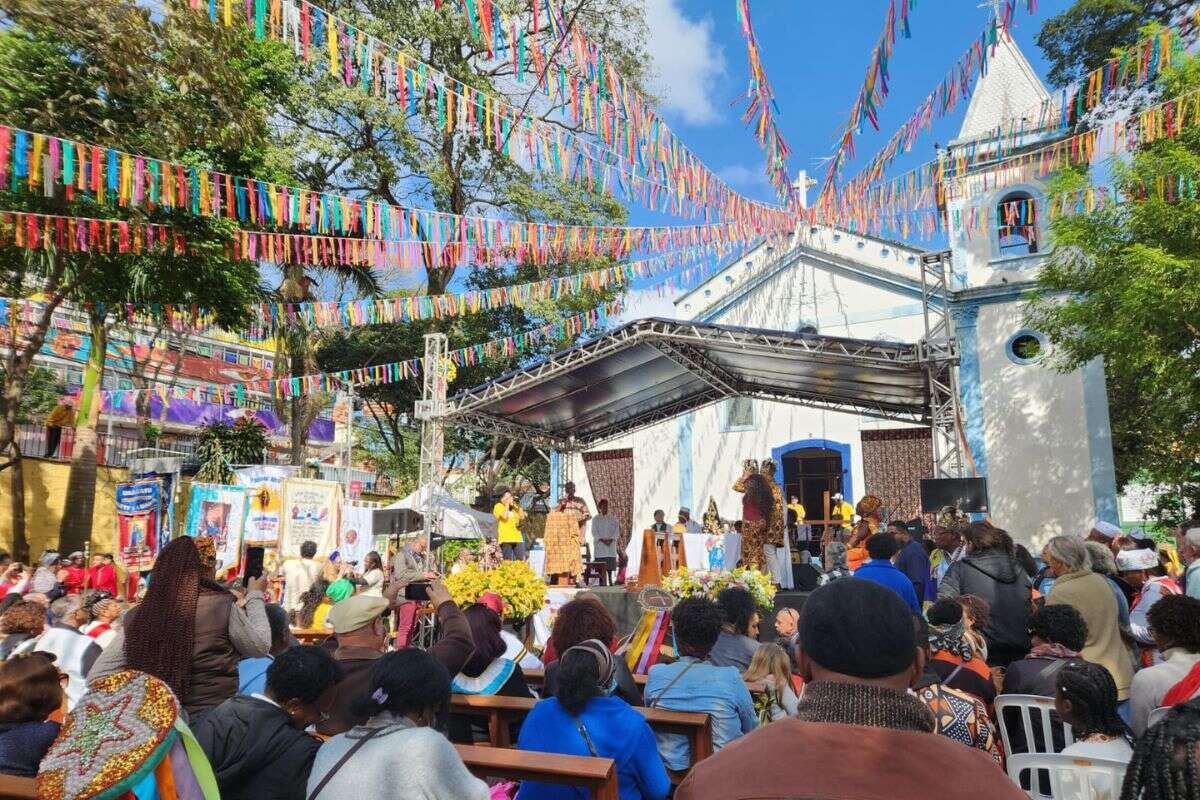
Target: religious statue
x=712, y=519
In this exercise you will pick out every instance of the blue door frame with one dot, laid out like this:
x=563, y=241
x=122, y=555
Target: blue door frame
x=842, y=448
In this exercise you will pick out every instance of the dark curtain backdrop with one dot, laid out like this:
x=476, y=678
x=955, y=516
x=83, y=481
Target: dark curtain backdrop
x=610, y=474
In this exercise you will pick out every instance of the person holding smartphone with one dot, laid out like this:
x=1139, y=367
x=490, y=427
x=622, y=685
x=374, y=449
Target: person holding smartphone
x=508, y=514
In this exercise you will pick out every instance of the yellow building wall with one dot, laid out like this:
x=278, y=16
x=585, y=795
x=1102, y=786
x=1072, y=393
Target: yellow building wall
x=45, y=497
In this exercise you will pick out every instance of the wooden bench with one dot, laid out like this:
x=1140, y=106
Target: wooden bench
x=14, y=788
x=597, y=775
x=536, y=678
x=502, y=711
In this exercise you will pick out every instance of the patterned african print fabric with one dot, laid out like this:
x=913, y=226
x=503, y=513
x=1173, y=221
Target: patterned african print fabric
x=561, y=541
x=125, y=738
x=775, y=531
x=754, y=535
x=961, y=717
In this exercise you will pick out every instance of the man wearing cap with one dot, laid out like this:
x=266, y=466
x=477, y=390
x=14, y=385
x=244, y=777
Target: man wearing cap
x=360, y=625
x=840, y=508
x=858, y=656
x=1106, y=534
x=1141, y=570
x=686, y=524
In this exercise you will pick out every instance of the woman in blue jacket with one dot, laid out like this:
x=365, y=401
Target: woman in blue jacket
x=583, y=719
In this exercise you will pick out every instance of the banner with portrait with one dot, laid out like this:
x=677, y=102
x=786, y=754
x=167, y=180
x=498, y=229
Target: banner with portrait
x=311, y=513
x=139, y=504
x=356, y=537
x=264, y=519
x=220, y=512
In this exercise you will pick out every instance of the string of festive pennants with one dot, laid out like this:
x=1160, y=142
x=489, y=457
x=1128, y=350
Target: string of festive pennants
x=762, y=108
x=875, y=86
x=59, y=167
x=375, y=375
x=633, y=155
x=33, y=231
x=1136, y=66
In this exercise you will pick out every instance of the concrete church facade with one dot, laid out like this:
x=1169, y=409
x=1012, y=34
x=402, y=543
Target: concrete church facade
x=1040, y=437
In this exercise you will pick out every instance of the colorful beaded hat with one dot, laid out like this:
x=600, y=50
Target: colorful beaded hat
x=120, y=738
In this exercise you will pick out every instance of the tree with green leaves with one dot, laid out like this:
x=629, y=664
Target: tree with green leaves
x=1123, y=284
x=1087, y=34
x=360, y=143
x=163, y=82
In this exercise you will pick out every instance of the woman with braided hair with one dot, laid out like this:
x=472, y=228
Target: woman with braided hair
x=1165, y=762
x=190, y=631
x=1086, y=698
x=758, y=511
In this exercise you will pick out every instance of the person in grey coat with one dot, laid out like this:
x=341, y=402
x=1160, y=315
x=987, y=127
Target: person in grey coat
x=408, y=691
x=991, y=572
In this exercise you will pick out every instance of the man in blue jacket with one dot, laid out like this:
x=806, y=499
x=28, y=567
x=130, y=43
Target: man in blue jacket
x=881, y=547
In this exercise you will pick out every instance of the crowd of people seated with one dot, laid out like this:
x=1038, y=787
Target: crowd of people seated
x=892, y=663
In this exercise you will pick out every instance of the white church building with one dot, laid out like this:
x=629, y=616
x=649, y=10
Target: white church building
x=1039, y=436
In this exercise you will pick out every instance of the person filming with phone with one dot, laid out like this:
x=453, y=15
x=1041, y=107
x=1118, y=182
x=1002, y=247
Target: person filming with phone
x=412, y=564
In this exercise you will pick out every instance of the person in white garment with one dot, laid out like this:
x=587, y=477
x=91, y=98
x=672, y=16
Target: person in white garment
x=1141, y=570
x=298, y=576
x=605, y=532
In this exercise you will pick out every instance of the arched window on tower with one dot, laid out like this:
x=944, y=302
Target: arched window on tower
x=1017, y=224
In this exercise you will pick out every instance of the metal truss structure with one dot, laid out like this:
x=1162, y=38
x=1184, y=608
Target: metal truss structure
x=939, y=355
x=431, y=409
x=654, y=370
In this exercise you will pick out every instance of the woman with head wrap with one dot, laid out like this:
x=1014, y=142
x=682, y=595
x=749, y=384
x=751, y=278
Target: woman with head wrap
x=584, y=719
x=870, y=519
x=45, y=577
x=190, y=631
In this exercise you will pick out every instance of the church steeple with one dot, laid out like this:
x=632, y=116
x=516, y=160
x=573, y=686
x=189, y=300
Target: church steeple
x=1009, y=91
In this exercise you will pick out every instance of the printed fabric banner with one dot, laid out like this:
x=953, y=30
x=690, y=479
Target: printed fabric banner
x=311, y=510
x=357, y=535
x=138, y=507
x=264, y=520
x=220, y=512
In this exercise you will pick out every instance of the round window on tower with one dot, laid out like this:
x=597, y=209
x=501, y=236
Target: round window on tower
x=1027, y=347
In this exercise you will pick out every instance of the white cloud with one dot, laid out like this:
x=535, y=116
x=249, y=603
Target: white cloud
x=687, y=61
x=741, y=176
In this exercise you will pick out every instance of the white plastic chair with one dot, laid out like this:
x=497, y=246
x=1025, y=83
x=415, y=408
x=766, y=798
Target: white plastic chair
x=1071, y=777
x=1030, y=706
x=1157, y=715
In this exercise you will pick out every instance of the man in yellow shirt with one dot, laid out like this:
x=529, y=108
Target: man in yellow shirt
x=840, y=508
x=508, y=516
x=61, y=417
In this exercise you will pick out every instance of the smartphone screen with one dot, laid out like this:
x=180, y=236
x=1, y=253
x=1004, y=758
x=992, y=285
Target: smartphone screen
x=254, y=562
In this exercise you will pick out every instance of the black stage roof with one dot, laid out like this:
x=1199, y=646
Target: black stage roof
x=656, y=369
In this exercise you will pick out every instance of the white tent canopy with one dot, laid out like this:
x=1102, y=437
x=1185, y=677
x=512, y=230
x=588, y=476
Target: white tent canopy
x=458, y=520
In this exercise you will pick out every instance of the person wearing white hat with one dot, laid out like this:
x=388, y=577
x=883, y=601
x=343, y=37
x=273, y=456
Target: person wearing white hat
x=686, y=524
x=1106, y=534
x=1141, y=570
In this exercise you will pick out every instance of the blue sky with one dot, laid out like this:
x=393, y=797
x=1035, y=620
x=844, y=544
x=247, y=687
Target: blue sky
x=816, y=55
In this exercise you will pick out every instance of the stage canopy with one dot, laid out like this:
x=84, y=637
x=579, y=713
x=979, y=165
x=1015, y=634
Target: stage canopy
x=656, y=369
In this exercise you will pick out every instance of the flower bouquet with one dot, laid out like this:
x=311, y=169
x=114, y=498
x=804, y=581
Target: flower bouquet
x=523, y=591
x=683, y=582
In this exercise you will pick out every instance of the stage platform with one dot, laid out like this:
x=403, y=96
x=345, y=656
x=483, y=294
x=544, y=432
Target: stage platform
x=626, y=612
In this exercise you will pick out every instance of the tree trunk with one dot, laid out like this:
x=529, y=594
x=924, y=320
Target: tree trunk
x=76, y=527
x=20, y=545
x=296, y=429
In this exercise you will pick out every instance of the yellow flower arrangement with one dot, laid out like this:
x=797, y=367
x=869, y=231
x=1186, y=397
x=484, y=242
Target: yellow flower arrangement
x=523, y=591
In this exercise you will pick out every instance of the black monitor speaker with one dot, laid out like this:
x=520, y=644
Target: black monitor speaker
x=968, y=495
x=395, y=522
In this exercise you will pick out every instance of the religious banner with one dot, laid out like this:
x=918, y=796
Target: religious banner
x=220, y=512
x=311, y=510
x=264, y=485
x=167, y=470
x=138, y=506
x=356, y=536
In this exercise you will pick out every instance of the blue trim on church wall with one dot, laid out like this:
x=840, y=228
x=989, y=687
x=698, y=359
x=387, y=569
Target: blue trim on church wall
x=970, y=384
x=684, y=426
x=1099, y=433
x=842, y=448
x=554, y=459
